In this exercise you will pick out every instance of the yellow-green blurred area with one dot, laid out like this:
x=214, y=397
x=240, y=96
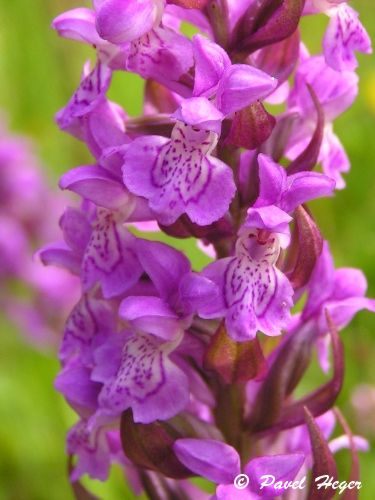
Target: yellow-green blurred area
x=38, y=73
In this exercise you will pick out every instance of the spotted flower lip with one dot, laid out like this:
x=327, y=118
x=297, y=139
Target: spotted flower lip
x=143, y=379
x=179, y=175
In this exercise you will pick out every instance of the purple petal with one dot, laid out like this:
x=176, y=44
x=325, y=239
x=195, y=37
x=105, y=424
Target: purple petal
x=200, y=112
x=92, y=450
x=335, y=91
x=214, y=460
x=210, y=63
x=61, y=256
x=272, y=219
x=334, y=158
x=77, y=24
x=157, y=55
x=91, y=320
x=179, y=176
x=87, y=97
x=196, y=292
x=343, y=311
x=145, y=381
x=151, y=315
x=75, y=384
x=165, y=265
x=305, y=186
x=272, y=182
x=242, y=85
x=278, y=468
x=76, y=230
x=96, y=184
x=348, y=282
x=121, y=21
x=345, y=35
x=109, y=258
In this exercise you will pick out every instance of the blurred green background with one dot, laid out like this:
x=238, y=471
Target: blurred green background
x=38, y=73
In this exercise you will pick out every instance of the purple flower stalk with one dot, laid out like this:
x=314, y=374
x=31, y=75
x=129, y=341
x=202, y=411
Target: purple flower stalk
x=169, y=368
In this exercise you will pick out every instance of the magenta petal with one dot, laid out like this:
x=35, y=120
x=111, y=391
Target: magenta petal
x=306, y=186
x=214, y=460
x=61, y=256
x=96, y=184
x=109, y=258
x=272, y=181
x=210, y=63
x=90, y=93
x=179, y=175
x=75, y=384
x=348, y=282
x=242, y=85
x=76, y=229
x=92, y=451
x=121, y=21
x=345, y=35
x=278, y=468
x=151, y=315
x=212, y=204
x=200, y=112
x=165, y=265
x=270, y=218
x=77, y=24
x=145, y=381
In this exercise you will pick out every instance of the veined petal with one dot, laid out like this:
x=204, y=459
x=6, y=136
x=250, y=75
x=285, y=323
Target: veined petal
x=345, y=35
x=256, y=295
x=178, y=176
x=157, y=56
x=89, y=94
x=90, y=321
x=145, y=381
x=92, y=450
x=109, y=257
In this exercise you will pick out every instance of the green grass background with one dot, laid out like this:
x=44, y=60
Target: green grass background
x=38, y=73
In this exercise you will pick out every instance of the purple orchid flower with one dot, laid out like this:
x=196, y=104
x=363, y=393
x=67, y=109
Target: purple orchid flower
x=256, y=295
x=137, y=373
x=180, y=175
x=99, y=251
x=344, y=36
